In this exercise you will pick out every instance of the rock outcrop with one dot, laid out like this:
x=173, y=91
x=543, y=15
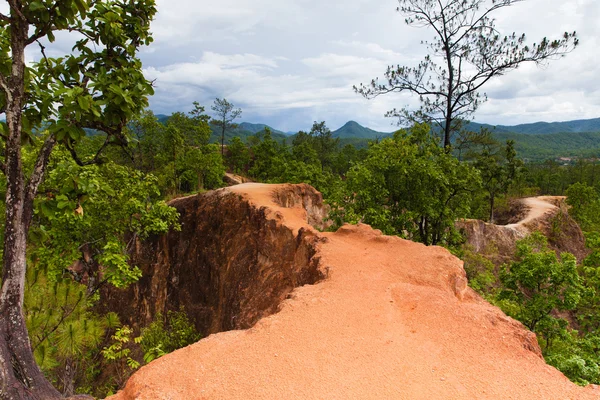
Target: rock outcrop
x=378, y=317
x=546, y=214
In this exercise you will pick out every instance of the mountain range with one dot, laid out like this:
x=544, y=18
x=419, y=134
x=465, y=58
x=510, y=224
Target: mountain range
x=534, y=141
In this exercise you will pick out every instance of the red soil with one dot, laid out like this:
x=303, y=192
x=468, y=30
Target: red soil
x=393, y=320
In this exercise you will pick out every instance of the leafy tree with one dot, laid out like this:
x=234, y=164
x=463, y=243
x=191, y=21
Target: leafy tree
x=89, y=217
x=585, y=205
x=99, y=86
x=323, y=143
x=225, y=113
x=499, y=168
x=119, y=354
x=409, y=186
x=238, y=156
x=268, y=156
x=177, y=152
x=538, y=283
x=467, y=51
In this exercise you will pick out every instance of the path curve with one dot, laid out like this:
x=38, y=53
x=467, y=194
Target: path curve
x=538, y=207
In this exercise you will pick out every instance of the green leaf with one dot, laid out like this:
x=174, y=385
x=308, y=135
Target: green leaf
x=36, y=5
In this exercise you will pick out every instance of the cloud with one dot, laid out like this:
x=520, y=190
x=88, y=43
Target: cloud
x=292, y=62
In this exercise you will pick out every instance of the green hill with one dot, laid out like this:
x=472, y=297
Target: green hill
x=353, y=130
x=255, y=128
x=543, y=128
x=554, y=145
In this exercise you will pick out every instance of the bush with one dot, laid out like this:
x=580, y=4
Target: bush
x=161, y=338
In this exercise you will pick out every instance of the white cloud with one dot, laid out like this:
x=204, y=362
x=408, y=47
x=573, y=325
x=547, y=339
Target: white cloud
x=293, y=62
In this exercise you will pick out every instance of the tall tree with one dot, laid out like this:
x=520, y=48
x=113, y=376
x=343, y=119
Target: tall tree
x=499, y=168
x=225, y=113
x=99, y=86
x=466, y=52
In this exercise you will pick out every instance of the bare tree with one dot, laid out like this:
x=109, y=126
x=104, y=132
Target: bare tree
x=466, y=52
x=225, y=113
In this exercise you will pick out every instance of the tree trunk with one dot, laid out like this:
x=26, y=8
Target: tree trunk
x=69, y=377
x=20, y=377
x=223, y=139
x=492, y=204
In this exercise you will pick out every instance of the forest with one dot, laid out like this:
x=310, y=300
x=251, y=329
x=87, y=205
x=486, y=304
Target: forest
x=88, y=170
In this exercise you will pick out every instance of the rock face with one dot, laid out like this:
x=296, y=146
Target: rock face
x=546, y=214
x=231, y=264
x=379, y=318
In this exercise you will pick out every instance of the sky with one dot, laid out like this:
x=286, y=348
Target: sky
x=287, y=63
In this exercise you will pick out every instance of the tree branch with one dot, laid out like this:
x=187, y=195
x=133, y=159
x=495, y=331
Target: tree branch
x=40, y=168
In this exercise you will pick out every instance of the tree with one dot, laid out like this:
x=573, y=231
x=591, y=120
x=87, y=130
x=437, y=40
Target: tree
x=498, y=170
x=99, y=86
x=539, y=283
x=466, y=52
x=225, y=113
x=408, y=185
x=585, y=205
x=239, y=156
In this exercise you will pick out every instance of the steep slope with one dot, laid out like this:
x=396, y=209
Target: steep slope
x=231, y=263
x=390, y=319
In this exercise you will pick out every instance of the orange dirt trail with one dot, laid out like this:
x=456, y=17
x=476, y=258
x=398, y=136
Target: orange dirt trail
x=393, y=320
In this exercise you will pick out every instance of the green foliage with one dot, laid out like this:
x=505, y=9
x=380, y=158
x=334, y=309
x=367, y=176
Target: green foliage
x=480, y=271
x=408, y=186
x=576, y=357
x=539, y=283
x=584, y=205
x=93, y=214
x=540, y=147
x=160, y=338
x=498, y=168
x=178, y=153
x=118, y=353
x=100, y=83
x=238, y=156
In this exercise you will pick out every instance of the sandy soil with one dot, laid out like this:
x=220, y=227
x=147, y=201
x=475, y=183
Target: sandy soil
x=393, y=320
x=538, y=207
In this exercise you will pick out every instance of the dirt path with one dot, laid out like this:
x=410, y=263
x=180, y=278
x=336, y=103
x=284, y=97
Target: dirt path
x=393, y=320
x=538, y=207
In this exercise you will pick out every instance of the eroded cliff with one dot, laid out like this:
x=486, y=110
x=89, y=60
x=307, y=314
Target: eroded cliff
x=385, y=318
x=231, y=264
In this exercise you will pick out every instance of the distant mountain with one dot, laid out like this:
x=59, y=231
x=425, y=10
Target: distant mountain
x=255, y=128
x=353, y=130
x=543, y=128
x=243, y=130
x=162, y=118
x=243, y=133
